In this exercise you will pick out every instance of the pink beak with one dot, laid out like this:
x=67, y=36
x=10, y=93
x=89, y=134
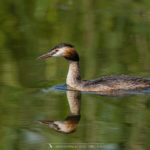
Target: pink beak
x=49, y=54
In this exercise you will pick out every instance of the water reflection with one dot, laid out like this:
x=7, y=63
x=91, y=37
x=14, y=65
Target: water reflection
x=69, y=124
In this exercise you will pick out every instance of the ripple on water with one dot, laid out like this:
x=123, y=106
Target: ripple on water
x=63, y=88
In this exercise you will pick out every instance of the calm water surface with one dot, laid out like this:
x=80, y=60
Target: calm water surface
x=111, y=38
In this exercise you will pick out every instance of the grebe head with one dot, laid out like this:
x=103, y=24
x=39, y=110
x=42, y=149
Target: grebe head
x=62, y=50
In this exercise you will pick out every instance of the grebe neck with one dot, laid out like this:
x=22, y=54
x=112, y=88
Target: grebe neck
x=73, y=77
x=74, y=100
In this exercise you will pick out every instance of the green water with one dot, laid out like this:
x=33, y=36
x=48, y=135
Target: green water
x=111, y=37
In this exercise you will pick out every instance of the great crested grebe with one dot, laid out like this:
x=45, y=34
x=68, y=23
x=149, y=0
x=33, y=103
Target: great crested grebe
x=122, y=82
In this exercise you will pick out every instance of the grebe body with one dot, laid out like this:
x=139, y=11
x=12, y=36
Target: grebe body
x=122, y=82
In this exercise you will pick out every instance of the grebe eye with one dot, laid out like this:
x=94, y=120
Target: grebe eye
x=56, y=50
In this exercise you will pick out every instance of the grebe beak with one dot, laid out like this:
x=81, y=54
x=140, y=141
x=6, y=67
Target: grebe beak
x=49, y=54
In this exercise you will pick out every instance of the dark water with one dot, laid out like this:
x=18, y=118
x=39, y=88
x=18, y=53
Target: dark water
x=112, y=37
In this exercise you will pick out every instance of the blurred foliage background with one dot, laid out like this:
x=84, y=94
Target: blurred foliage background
x=111, y=37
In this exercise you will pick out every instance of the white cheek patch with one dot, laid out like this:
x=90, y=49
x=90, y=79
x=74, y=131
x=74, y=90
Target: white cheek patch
x=60, y=52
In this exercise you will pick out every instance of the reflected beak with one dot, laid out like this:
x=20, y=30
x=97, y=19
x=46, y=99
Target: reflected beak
x=49, y=54
x=51, y=124
x=45, y=122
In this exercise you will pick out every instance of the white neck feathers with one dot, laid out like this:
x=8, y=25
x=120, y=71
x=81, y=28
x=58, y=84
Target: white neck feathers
x=73, y=77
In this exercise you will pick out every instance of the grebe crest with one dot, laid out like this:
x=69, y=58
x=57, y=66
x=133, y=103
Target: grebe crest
x=122, y=82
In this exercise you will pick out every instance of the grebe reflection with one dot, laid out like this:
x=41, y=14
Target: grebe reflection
x=70, y=123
